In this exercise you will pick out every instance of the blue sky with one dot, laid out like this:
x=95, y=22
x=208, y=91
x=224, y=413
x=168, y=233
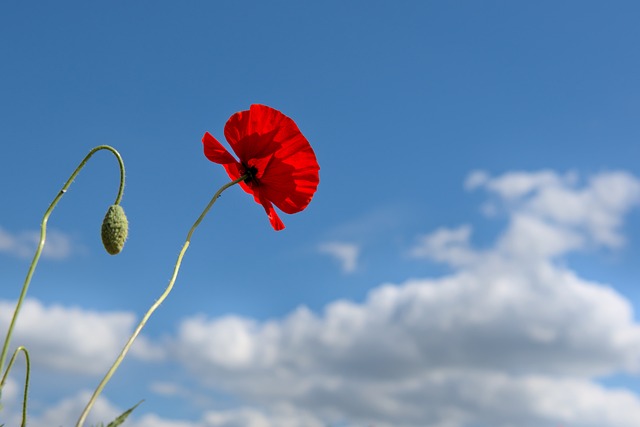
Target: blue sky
x=469, y=259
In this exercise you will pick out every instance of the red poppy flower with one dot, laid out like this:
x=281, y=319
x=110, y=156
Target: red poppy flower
x=281, y=165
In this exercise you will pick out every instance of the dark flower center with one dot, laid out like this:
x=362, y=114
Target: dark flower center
x=251, y=172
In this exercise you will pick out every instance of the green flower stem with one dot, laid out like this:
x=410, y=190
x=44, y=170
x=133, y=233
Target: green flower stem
x=155, y=305
x=26, y=380
x=43, y=235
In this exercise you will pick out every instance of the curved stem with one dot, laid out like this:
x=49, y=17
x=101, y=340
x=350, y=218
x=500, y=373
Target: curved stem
x=43, y=235
x=26, y=380
x=155, y=305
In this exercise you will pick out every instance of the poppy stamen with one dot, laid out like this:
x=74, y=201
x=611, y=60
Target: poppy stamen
x=251, y=171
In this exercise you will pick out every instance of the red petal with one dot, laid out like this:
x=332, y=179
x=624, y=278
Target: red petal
x=291, y=182
x=261, y=165
x=215, y=152
x=258, y=132
x=274, y=219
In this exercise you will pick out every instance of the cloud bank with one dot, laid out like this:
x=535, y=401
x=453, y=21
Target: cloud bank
x=511, y=337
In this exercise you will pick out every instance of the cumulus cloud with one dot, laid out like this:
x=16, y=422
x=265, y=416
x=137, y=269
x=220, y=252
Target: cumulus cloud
x=549, y=215
x=592, y=211
x=23, y=245
x=446, y=245
x=511, y=337
x=71, y=339
x=280, y=416
x=345, y=253
x=408, y=352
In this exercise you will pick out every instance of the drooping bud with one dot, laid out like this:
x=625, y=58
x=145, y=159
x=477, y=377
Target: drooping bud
x=115, y=228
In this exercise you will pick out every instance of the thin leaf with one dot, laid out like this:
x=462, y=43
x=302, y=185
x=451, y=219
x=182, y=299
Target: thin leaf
x=123, y=416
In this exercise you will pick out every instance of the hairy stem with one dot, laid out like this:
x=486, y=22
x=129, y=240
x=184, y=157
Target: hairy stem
x=155, y=305
x=43, y=235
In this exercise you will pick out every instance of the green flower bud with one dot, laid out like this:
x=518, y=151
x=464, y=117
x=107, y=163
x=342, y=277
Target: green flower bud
x=115, y=228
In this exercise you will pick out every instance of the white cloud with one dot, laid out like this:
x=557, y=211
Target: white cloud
x=463, y=396
x=58, y=245
x=446, y=245
x=72, y=340
x=594, y=210
x=375, y=362
x=530, y=236
x=549, y=215
x=346, y=253
x=516, y=185
x=280, y=416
